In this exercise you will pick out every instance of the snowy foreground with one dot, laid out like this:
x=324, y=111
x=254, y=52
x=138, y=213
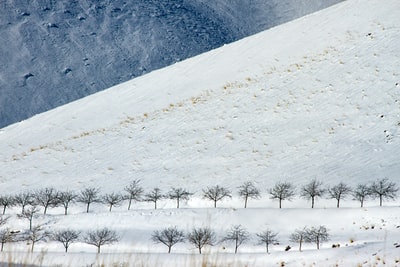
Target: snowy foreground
x=314, y=98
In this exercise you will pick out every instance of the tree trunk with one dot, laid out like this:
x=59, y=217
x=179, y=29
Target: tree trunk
x=129, y=205
x=380, y=200
x=87, y=207
x=362, y=202
x=169, y=249
x=155, y=205
x=2, y=246
x=266, y=244
x=110, y=207
x=45, y=210
x=236, y=246
x=200, y=250
x=33, y=244
x=177, y=203
x=98, y=249
x=30, y=224
x=312, y=202
x=66, y=249
x=215, y=203
x=4, y=209
x=245, y=202
x=65, y=210
x=338, y=203
x=280, y=203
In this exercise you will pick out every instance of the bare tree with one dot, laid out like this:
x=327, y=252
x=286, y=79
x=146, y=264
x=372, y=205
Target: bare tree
x=6, y=201
x=267, y=237
x=88, y=196
x=339, y=191
x=66, y=198
x=113, y=199
x=101, y=237
x=154, y=196
x=179, y=194
x=168, y=236
x=312, y=190
x=46, y=198
x=282, y=191
x=24, y=199
x=384, y=189
x=299, y=236
x=6, y=236
x=66, y=237
x=201, y=237
x=35, y=235
x=4, y=219
x=361, y=192
x=317, y=235
x=236, y=234
x=248, y=190
x=29, y=214
x=134, y=191
x=216, y=193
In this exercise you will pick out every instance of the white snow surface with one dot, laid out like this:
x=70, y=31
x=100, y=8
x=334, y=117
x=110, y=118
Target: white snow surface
x=313, y=98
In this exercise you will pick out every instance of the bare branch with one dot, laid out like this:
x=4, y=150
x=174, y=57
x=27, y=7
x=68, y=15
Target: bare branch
x=168, y=236
x=267, y=237
x=201, y=237
x=134, y=191
x=339, y=191
x=248, y=190
x=66, y=237
x=216, y=193
x=88, y=196
x=282, y=191
x=236, y=234
x=101, y=237
x=179, y=194
x=154, y=196
x=384, y=189
x=312, y=190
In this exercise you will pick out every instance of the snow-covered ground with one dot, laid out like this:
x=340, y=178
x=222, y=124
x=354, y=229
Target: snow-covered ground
x=313, y=98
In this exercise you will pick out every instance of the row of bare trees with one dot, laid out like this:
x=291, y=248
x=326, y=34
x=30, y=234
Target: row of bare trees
x=49, y=197
x=198, y=237
x=38, y=233
x=237, y=235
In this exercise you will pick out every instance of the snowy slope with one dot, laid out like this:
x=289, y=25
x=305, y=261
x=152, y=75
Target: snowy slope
x=54, y=52
x=313, y=98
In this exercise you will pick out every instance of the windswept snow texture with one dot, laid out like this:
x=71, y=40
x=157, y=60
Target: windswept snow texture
x=54, y=52
x=317, y=97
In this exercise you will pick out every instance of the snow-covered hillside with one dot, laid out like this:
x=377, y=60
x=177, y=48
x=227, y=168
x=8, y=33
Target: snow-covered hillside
x=317, y=97
x=54, y=52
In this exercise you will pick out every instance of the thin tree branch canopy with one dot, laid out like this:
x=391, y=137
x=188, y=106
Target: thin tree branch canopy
x=238, y=235
x=168, y=236
x=248, y=190
x=101, y=237
x=216, y=193
x=282, y=191
x=384, y=189
x=312, y=190
x=201, y=237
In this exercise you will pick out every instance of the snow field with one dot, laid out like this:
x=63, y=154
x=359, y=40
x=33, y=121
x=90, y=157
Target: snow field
x=314, y=98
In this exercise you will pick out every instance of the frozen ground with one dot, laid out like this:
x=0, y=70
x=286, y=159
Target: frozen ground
x=314, y=98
